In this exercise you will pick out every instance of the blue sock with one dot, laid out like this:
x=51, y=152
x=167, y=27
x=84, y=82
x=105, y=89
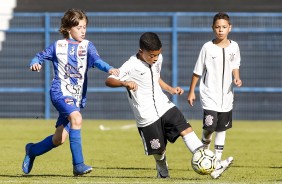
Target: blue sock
x=76, y=147
x=42, y=147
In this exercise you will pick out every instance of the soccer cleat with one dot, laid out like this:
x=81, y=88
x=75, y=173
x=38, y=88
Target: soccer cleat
x=28, y=160
x=221, y=166
x=162, y=168
x=81, y=169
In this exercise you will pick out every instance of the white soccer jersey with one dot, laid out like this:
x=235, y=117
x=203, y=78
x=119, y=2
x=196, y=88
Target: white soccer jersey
x=148, y=102
x=215, y=65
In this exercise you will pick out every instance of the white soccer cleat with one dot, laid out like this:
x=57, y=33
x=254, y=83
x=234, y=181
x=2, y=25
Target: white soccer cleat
x=162, y=168
x=221, y=166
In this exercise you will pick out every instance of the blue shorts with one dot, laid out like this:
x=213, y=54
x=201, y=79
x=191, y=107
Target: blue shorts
x=65, y=106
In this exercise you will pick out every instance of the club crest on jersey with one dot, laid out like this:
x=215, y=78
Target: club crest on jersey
x=208, y=120
x=231, y=57
x=71, y=51
x=155, y=144
x=69, y=101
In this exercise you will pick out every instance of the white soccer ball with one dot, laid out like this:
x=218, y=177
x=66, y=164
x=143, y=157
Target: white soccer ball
x=203, y=161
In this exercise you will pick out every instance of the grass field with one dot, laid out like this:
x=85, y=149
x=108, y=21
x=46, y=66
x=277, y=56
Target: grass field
x=117, y=156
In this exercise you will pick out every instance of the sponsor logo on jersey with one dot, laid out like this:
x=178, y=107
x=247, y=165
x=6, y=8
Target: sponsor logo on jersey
x=71, y=71
x=73, y=89
x=63, y=45
x=61, y=54
x=81, y=53
x=69, y=101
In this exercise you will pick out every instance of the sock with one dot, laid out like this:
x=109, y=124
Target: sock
x=76, y=147
x=192, y=141
x=219, y=144
x=42, y=147
x=206, y=138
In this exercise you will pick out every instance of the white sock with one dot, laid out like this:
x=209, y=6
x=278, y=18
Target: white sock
x=192, y=141
x=219, y=144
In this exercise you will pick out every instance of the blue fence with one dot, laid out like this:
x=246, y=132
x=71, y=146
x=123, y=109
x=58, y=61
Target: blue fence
x=26, y=94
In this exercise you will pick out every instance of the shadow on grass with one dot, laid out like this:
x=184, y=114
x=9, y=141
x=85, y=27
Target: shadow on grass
x=104, y=176
x=97, y=176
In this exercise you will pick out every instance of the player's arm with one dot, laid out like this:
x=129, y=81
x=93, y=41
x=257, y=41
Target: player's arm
x=191, y=94
x=236, y=74
x=170, y=89
x=40, y=57
x=95, y=60
x=112, y=82
x=123, y=78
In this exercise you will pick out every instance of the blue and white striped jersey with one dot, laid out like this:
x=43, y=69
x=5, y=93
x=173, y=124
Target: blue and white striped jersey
x=71, y=61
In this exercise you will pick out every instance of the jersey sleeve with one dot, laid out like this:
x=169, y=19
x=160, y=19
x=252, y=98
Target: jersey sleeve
x=94, y=60
x=124, y=72
x=47, y=54
x=200, y=64
x=237, y=58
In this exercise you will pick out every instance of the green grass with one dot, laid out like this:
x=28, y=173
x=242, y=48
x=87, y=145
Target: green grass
x=117, y=155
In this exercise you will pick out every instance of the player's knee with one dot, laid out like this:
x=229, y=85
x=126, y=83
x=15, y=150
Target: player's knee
x=186, y=131
x=76, y=119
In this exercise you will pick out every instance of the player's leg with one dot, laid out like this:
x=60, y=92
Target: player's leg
x=33, y=150
x=176, y=125
x=206, y=138
x=209, y=125
x=36, y=149
x=161, y=165
x=79, y=168
x=224, y=123
x=154, y=144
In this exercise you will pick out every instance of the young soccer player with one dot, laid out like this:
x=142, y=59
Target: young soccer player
x=218, y=60
x=71, y=57
x=158, y=119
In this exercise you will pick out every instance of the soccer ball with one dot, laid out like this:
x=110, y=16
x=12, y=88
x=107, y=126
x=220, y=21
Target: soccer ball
x=203, y=161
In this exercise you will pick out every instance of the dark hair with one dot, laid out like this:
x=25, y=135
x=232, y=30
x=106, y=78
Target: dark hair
x=71, y=19
x=221, y=15
x=150, y=41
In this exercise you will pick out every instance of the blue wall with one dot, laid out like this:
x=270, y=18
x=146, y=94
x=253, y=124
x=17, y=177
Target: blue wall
x=25, y=94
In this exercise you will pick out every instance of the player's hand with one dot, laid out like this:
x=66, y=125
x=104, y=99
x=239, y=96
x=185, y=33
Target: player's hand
x=238, y=82
x=36, y=67
x=114, y=71
x=191, y=98
x=178, y=91
x=131, y=85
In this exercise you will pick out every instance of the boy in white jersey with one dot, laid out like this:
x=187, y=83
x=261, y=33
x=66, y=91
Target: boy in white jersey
x=71, y=58
x=218, y=60
x=158, y=119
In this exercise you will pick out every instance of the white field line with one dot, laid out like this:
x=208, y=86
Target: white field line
x=124, y=127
